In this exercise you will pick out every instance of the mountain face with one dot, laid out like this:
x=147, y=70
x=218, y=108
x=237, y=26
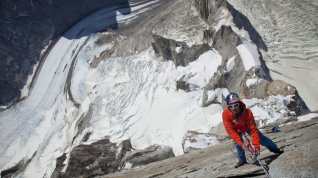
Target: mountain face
x=27, y=27
x=140, y=81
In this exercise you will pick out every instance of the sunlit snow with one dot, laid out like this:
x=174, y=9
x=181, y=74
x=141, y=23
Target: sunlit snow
x=307, y=117
x=249, y=54
x=252, y=81
x=230, y=64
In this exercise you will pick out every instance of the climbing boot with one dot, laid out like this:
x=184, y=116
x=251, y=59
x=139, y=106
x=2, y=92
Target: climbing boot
x=278, y=151
x=240, y=164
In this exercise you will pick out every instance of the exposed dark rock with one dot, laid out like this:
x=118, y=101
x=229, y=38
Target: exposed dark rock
x=263, y=71
x=86, y=160
x=59, y=166
x=258, y=89
x=167, y=49
x=110, y=38
x=182, y=85
x=225, y=41
x=178, y=52
x=232, y=80
x=122, y=149
x=194, y=52
x=278, y=87
x=209, y=10
x=203, y=8
x=16, y=169
x=13, y=170
x=86, y=136
x=148, y=155
x=208, y=36
x=83, y=123
x=104, y=157
x=264, y=88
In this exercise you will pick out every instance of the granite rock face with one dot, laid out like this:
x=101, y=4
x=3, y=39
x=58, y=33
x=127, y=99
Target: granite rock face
x=86, y=160
x=300, y=158
x=104, y=157
x=153, y=153
x=298, y=140
x=278, y=87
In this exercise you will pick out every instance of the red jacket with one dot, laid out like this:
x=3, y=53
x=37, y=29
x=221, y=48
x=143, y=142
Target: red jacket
x=239, y=124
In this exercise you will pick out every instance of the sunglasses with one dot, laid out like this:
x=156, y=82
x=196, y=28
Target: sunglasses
x=233, y=105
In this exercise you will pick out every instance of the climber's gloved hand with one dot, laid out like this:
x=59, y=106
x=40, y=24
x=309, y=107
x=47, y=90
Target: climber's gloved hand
x=244, y=147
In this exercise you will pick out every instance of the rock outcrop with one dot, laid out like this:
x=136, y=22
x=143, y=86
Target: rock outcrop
x=87, y=160
x=263, y=88
x=16, y=170
x=298, y=140
x=278, y=87
x=178, y=52
x=153, y=153
x=104, y=157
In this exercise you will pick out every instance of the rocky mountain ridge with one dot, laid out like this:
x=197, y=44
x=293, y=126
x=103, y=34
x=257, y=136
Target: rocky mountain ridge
x=181, y=33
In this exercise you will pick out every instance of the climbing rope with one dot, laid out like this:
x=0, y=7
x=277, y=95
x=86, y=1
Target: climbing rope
x=256, y=156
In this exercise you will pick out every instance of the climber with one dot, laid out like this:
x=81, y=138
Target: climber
x=237, y=120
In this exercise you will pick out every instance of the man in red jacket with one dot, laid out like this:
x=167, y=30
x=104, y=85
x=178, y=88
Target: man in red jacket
x=237, y=120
